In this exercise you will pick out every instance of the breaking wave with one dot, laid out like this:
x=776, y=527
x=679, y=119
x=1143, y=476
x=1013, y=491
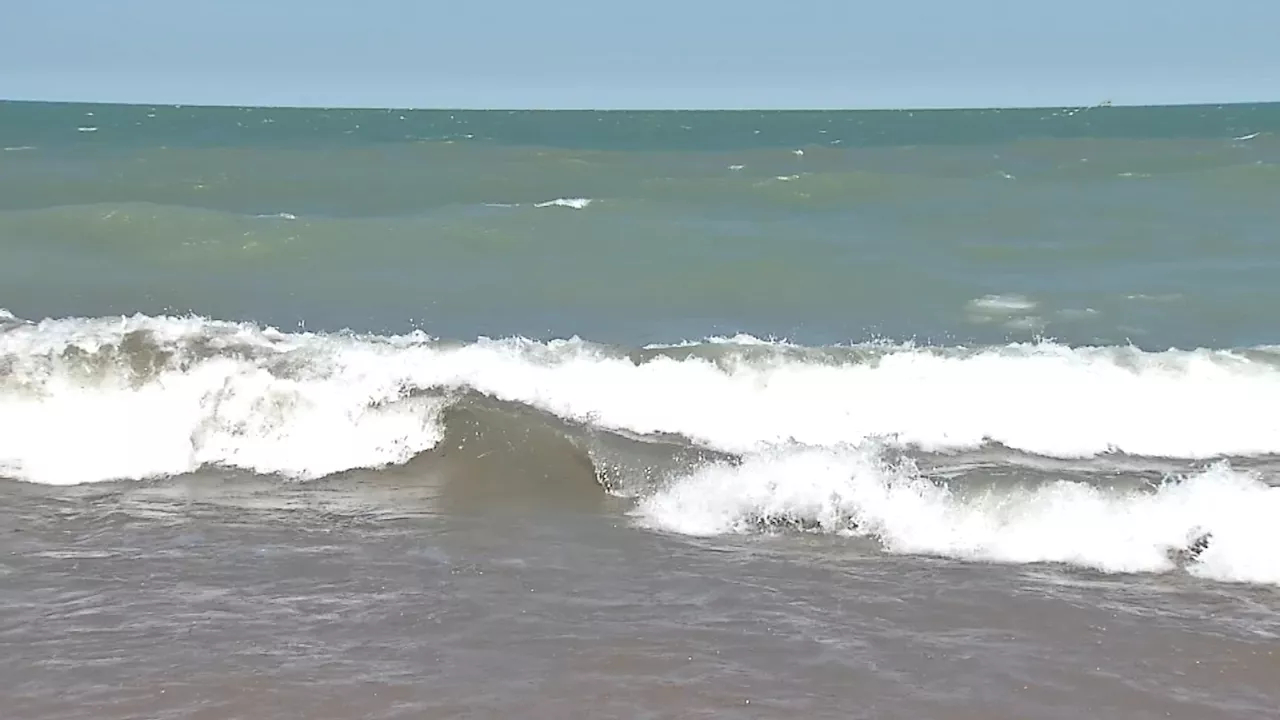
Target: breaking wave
x=143, y=396
x=1113, y=529
x=767, y=434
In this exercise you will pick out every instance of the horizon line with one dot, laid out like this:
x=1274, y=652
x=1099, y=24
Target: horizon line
x=638, y=108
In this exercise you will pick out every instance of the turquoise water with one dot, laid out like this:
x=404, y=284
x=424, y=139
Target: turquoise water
x=1152, y=226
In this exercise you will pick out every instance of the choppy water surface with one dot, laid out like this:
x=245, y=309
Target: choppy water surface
x=338, y=414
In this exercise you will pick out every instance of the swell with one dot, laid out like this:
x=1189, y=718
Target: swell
x=409, y=179
x=496, y=455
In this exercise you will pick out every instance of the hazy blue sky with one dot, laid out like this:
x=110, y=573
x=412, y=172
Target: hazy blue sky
x=646, y=53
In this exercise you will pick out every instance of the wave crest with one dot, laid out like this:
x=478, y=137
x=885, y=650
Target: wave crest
x=145, y=396
x=856, y=492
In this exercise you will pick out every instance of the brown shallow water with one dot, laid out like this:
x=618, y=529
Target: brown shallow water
x=401, y=595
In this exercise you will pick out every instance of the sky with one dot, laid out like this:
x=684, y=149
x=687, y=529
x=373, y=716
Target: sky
x=641, y=54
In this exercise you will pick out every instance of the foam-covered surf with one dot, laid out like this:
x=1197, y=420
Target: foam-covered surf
x=126, y=398
x=84, y=401
x=857, y=492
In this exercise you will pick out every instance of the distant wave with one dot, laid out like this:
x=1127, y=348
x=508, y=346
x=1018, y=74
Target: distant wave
x=1003, y=304
x=572, y=203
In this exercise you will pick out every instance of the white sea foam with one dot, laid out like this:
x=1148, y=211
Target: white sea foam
x=854, y=492
x=305, y=405
x=1012, y=311
x=1003, y=304
x=742, y=339
x=64, y=420
x=1076, y=313
x=572, y=203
